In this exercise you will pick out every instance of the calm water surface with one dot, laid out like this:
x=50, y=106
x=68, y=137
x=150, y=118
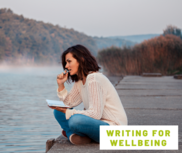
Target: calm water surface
x=26, y=122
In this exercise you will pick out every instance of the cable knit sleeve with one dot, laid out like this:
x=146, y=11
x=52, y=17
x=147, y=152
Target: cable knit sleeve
x=96, y=96
x=73, y=98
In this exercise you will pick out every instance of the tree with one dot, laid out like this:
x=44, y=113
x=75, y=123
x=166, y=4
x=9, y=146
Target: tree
x=172, y=30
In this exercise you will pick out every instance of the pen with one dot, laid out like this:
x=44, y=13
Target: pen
x=66, y=72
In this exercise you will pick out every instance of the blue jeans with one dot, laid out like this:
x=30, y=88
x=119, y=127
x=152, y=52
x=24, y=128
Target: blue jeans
x=80, y=124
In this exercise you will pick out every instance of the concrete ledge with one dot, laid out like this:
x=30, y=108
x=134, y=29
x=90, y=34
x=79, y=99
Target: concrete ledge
x=151, y=74
x=62, y=144
x=178, y=76
x=49, y=144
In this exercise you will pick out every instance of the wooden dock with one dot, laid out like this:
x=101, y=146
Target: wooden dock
x=147, y=101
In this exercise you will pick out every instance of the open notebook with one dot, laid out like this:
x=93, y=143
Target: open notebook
x=56, y=103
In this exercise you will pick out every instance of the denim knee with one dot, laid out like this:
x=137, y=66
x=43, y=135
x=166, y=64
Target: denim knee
x=58, y=114
x=74, y=121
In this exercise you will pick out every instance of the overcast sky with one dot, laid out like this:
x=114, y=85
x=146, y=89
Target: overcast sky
x=103, y=17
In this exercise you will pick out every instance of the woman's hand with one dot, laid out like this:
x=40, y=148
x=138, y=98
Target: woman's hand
x=61, y=109
x=61, y=78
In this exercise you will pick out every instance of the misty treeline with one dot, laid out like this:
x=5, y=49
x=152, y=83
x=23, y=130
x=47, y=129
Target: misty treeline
x=162, y=54
x=29, y=41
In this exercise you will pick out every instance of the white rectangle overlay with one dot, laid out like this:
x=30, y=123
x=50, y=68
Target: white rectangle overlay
x=140, y=137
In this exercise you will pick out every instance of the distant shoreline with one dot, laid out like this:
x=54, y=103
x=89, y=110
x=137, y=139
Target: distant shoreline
x=24, y=66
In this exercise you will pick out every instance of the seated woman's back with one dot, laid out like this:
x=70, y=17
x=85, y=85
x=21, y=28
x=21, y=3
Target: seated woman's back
x=103, y=90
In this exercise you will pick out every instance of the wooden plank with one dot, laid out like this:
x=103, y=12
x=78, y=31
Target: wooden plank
x=178, y=76
x=151, y=74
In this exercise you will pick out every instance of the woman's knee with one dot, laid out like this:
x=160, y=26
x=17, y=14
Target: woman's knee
x=75, y=121
x=58, y=114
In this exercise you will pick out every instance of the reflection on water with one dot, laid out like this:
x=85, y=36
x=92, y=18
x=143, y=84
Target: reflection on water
x=25, y=120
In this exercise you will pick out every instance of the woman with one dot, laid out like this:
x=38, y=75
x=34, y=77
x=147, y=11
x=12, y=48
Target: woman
x=101, y=101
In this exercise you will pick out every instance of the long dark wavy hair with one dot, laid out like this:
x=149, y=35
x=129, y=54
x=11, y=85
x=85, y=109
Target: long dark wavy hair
x=86, y=60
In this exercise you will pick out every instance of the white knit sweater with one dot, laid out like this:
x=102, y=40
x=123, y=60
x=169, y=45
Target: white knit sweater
x=99, y=97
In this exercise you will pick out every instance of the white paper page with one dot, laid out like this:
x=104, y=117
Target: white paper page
x=56, y=103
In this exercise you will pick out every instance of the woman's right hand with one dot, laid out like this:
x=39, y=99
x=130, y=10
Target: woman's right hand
x=61, y=78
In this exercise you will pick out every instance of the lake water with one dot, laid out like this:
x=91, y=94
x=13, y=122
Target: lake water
x=26, y=122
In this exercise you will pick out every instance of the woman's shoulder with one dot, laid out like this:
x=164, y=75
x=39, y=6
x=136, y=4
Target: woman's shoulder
x=97, y=76
x=93, y=75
